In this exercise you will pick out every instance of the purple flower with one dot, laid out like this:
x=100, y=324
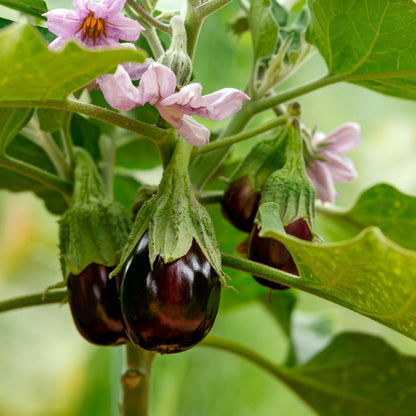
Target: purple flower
x=94, y=24
x=158, y=87
x=328, y=165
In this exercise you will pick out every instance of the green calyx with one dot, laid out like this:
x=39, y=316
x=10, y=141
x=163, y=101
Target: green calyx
x=94, y=228
x=176, y=57
x=289, y=188
x=174, y=218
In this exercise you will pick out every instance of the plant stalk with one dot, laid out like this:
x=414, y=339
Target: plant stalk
x=33, y=300
x=135, y=381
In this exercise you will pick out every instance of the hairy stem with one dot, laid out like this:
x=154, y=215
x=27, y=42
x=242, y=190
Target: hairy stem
x=228, y=141
x=48, y=179
x=154, y=42
x=67, y=136
x=135, y=381
x=148, y=17
x=54, y=153
x=211, y=6
x=33, y=300
x=269, y=102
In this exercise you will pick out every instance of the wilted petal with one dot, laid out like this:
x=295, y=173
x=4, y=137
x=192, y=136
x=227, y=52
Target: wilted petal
x=193, y=132
x=157, y=83
x=121, y=27
x=118, y=90
x=63, y=22
x=344, y=138
x=136, y=70
x=341, y=167
x=222, y=104
x=321, y=177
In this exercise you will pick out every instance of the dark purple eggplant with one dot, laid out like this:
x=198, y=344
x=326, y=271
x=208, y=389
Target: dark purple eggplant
x=239, y=204
x=273, y=253
x=95, y=305
x=171, y=307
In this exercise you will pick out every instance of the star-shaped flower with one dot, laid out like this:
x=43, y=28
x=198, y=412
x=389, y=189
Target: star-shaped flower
x=94, y=24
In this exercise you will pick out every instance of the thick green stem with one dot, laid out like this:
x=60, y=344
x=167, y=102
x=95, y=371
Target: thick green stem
x=68, y=142
x=210, y=197
x=211, y=6
x=193, y=23
x=228, y=141
x=135, y=381
x=48, y=179
x=55, y=154
x=33, y=300
x=142, y=129
x=269, y=102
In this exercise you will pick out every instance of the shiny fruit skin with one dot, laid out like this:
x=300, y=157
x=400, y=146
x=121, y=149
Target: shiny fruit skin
x=239, y=204
x=171, y=308
x=273, y=253
x=95, y=305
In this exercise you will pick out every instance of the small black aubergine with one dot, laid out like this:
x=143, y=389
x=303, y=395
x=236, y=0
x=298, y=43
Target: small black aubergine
x=239, y=204
x=95, y=305
x=275, y=254
x=171, y=308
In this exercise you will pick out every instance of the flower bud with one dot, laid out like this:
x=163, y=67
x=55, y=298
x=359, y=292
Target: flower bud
x=176, y=57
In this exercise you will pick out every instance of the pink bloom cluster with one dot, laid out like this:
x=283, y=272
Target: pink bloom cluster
x=93, y=24
x=329, y=165
x=158, y=87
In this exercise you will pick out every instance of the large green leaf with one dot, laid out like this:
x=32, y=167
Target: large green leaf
x=11, y=121
x=385, y=207
x=368, y=274
x=263, y=27
x=33, y=7
x=32, y=74
x=358, y=375
x=369, y=43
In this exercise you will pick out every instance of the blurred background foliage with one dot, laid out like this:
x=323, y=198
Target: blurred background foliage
x=46, y=368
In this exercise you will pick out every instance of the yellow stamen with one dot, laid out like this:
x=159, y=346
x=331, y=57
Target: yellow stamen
x=93, y=27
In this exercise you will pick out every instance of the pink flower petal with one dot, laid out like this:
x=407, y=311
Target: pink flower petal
x=81, y=7
x=157, y=82
x=341, y=167
x=344, y=138
x=188, y=100
x=63, y=22
x=118, y=90
x=322, y=179
x=113, y=7
x=120, y=27
x=223, y=103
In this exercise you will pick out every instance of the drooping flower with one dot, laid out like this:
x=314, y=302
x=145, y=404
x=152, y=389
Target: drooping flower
x=158, y=88
x=93, y=24
x=328, y=165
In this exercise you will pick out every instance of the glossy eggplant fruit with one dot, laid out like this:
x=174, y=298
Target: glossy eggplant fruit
x=171, y=308
x=95, y=305
x=273, y=253
x=239, y=204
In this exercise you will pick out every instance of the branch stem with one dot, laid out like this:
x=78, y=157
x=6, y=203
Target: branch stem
x=228, y=141
x=48, y=179
x=290, y=94
x=33, y=300
x=149, y=18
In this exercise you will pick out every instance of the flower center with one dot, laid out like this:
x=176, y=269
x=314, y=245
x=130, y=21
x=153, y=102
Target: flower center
x=93, y=27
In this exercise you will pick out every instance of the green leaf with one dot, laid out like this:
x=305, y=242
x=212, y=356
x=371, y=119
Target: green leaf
x=264, y=29
x=387, y=208
x=125, y=188
x=46, y=76
x=136, y=153
x=368, y=43
x=11, y=121
x=368, y=274
x=23, y=149
x=358, y=375
x=33, y=7
x=86, y=134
